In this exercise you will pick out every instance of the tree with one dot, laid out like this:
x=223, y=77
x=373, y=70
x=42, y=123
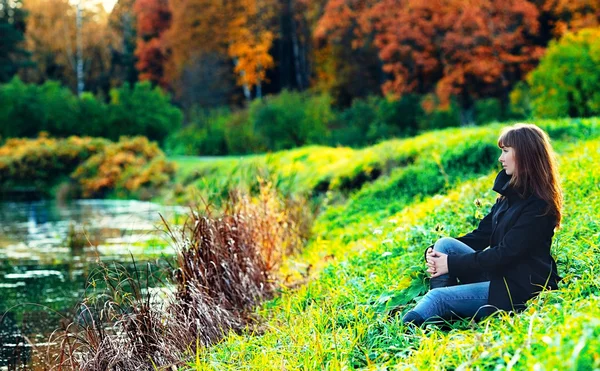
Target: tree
x=293, y=48
x=242, y=30
x=153, y=19
x=572, y=15
x=51, y=38
x=249, y=42
x=469, y=52
x=567, y=80
x=122, y=29
x=347, y=61
x=12, y=54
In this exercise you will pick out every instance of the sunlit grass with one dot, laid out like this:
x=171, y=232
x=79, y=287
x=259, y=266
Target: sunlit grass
x=373, y=263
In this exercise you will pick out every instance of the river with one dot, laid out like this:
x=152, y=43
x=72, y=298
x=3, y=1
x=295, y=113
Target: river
x=50, y=251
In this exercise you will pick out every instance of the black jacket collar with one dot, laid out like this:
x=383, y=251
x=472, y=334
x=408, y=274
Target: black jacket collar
x=502, y=186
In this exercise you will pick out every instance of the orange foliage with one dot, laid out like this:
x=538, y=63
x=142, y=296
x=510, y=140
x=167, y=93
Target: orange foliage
x=241, y=29
x=51, y=38
x=468, y=49
x=250, y=40
x=153, y=19
x=342, y=16
x=573, y=15
x=125, y=167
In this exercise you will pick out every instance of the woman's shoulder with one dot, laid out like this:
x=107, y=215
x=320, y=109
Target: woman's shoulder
x=536, y=201
x=539, y=206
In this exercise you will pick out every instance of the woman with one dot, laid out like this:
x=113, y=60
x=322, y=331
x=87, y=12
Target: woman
x=470, y=280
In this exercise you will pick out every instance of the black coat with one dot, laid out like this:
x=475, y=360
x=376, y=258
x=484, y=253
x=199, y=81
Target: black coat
x=518, y=263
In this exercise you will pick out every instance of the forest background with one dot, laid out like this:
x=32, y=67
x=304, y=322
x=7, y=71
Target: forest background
x=210, y=77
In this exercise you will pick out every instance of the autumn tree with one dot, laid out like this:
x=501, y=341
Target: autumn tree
x=465, y=50
x=250, y=38
x=242, y=30
x=347, y=61
x=153, y=19
x=199, y=68
x=51, y=38
x=572, y=15
x=122, y=31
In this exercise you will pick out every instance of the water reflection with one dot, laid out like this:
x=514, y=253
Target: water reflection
x=44, y=272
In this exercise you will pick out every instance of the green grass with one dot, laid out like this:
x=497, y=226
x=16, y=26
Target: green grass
x=368, y=252
x=343, y=171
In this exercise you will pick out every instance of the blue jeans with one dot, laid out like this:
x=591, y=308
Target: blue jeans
x=448, y=298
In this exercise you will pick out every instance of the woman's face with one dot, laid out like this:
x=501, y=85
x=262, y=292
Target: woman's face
x=507, y=158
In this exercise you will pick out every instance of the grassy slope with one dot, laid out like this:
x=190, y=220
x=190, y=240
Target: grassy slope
x=318, y=168
x=339, y=320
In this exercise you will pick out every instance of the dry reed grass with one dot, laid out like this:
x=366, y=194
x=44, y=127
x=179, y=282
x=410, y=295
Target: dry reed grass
x=226, y=264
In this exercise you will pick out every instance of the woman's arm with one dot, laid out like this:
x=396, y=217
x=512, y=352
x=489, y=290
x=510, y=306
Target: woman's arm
x=479, y=239
x=530, y=232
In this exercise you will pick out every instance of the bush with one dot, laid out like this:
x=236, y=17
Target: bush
x=23, y=111
x=567, y=80
x=369, y=120
x=42, y=162
x=125, y=169
x=396, y=117
x=142, y=110
x=353, y=123
x=94, y=114
x=240, y=135
x=488, y=110
x=520, y=101
x=437, y=116
x=61, y=109
x=203, y=136
x=29, y=109
x=291, y=120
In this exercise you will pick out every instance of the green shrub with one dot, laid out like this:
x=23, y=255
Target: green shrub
x=375, y=118
x=567, y=80
x=203, y=136
x=351, y=126
x=240, y=135
x=520, y=101
x=93, y=113
x=437, y=116
x=60, y=110
x=488, y=110
x=291, y=120
x=142, y=110
x=28, y=109
x=23, y=111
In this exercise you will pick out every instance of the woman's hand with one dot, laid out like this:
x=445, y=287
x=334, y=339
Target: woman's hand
x=437, y=263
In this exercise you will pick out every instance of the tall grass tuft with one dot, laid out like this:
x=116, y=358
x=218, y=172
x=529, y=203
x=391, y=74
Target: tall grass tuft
x=225, y=266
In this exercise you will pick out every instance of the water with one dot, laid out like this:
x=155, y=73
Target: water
x=48, y=254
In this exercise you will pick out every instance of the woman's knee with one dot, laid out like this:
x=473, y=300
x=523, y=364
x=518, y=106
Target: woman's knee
x=443, y=244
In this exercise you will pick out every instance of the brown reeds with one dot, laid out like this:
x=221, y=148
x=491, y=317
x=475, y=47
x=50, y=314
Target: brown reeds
x=226, y=265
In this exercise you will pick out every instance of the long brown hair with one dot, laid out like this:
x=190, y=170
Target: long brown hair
x=536, y=169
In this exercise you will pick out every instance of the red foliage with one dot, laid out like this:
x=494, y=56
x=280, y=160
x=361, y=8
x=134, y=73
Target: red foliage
x=153, y=19
x=469, y=49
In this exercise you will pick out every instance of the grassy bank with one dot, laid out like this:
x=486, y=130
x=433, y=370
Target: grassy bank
x=369, y=245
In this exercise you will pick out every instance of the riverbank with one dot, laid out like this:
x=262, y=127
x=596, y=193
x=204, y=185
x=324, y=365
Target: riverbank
x=370, y=249
x=51, y=258
x=375, y=206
